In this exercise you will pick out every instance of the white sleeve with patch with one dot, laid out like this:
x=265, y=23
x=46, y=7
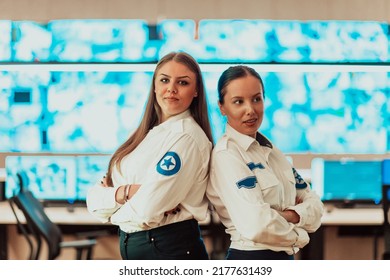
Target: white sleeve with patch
x=234, y=191
x=178, y=174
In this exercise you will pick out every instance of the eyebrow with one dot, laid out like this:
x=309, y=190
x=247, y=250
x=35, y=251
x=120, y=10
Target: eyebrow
x=180, y=77
x=259, y=93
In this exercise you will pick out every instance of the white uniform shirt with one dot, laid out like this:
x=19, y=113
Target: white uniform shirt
x=249, y=184
x=171, y=164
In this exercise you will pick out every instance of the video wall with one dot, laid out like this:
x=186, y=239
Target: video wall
x=209, y=41
x=56, y=178
x=326, y=82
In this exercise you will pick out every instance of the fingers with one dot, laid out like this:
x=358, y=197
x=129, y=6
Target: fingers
x=103, y=182
x=173, y=211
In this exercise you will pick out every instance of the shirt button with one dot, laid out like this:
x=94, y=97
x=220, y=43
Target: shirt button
x=188, y=252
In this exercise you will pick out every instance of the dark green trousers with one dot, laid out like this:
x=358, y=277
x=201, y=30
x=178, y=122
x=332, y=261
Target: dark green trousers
x=177, y=241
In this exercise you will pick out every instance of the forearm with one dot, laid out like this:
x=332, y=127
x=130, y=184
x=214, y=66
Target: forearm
x=290, y=215
x=126, y=192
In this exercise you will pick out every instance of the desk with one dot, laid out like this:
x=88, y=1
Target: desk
x=80, y=216
x=67, y=218
x=352, y=216
x=348, y=220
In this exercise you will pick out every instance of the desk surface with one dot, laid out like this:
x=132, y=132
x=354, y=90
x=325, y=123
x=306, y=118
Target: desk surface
x=352, y=216
x=80, y=216
x=59, y=215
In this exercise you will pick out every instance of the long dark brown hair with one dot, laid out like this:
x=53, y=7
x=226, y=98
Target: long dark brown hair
x=153, y=115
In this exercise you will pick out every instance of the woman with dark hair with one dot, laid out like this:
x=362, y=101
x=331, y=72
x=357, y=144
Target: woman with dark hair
x=266, y=207
x=156, y=181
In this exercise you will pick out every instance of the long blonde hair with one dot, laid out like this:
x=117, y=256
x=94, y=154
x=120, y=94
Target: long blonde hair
x=153, y=115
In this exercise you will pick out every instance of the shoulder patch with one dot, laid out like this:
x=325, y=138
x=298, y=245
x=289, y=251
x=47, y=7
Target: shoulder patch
x=247, y=183
x=299, y=182
x=169, y=165
x=252, y=165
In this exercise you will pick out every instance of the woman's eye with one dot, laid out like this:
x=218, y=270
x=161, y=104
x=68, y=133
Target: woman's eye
x=257, y=99
x=164, y=80
x=183, y=83
x=237, y=101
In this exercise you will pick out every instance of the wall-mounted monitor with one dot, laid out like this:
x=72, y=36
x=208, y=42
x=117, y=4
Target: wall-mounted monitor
x=101, y=40
x=94, y=112
x=31, y=42
x=320, y=109
x=22, y=111
x=5, y=40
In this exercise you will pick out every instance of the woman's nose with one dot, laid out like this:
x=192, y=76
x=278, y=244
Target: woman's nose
x=249, y=109
x=172, y=89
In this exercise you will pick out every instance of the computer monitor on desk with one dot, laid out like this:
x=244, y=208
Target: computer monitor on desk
x=386, y=172
x=348, y=182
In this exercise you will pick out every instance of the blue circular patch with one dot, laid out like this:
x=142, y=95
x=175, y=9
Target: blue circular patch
x=169, y=165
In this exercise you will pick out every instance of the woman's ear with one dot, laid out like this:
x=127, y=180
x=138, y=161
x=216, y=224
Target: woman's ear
x=221, y=109
x=196, y=94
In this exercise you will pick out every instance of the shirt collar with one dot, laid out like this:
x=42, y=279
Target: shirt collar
x=175, y=118
x=243, y=140
x=246, y=141
x=263, y=141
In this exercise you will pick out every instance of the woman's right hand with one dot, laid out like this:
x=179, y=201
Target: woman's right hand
x=103, y=182
x=290, y=215
x=172, y=211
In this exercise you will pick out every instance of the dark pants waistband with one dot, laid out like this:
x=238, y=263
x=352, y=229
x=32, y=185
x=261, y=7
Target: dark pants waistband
x=166, y=229
x=234, y=254
x=180, y=241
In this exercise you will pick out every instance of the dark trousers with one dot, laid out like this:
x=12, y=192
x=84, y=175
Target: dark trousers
x=234, y=254
x=177, y=241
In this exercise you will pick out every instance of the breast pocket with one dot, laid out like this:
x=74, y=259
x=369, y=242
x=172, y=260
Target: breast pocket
x=269, y=186
x=290, y=177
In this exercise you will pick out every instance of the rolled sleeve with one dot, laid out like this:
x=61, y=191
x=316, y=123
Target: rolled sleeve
x=101, y=202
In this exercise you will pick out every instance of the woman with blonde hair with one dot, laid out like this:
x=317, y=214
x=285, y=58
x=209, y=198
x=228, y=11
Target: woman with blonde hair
x=156, y=180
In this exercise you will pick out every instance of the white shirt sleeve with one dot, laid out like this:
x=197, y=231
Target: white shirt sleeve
x=310, y=210
x=101, y=202
x=163, y=192
x=251, y=216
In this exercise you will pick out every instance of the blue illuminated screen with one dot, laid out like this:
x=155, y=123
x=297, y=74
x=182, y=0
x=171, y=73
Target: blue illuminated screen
x=94, y=112
x=386, y=172
x=56, y=178
x=49, y=178
x=308, y=110
x=347, y=180
x=90, y=170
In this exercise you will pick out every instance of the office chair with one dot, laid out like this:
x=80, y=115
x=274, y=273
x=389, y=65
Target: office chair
x=39, y=227
x=386, y=224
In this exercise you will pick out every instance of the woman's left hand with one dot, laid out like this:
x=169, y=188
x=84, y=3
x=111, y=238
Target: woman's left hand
x=173, y=211
x=103, y=182
x=290, y=215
